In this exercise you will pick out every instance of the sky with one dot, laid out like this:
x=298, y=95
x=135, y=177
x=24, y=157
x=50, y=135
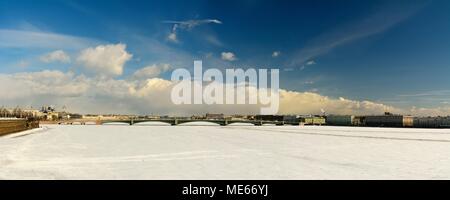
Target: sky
x=117, y=56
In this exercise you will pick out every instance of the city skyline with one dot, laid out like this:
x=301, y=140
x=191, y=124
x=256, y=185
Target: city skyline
x=342, y=57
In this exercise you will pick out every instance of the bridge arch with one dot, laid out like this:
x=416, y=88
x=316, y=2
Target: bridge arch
x=152, y=123
x=115, y=123
x=199, y=123
x=241, y=124
x=268, y=124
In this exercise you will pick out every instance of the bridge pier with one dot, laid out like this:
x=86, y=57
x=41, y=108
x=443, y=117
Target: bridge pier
x=224, y=123
x=258, y=123
x=280, y=123
x=174, y=122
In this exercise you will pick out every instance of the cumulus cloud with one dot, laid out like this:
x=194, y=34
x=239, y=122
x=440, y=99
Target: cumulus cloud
x=311, y=62
x=152, y=95
x=105, y=60
x=172, y=37
x=228, y=56
x=276, y=54
x=437, y=111
x=56, y=56
x=151, y=71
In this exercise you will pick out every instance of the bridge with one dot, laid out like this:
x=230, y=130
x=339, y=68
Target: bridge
x=174, y=122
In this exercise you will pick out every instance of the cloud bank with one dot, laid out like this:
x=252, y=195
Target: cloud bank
x=152, y=96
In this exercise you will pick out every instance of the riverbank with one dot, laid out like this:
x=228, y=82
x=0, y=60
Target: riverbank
x=12, y=125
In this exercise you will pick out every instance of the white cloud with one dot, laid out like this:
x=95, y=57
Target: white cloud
x=311, y=62
x=36, y=39
x=276, y=54
x=151, y=71
x=228, y=56
x=105, y=60
x=56, y=56
x=47, y=83
x=311, y=103
x=172, y=37
x=189, y=24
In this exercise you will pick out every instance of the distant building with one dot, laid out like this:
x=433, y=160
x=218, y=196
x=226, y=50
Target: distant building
x=197, y=117
x=34, y=112
x=408, y=121
x=238, y=117
x=291, y=119
x=251, y=117
x=340, y=120
x=152, y=117
x=312, y=120
x=386, y=120
x=48, y=109
x=92, y=117
x=51, y=116
x=432, y=122
x=359, y=120
x=215, y=116
x=278, y=118
x=75, y=116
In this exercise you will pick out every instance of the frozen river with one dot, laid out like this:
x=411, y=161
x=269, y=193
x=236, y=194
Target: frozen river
x=231, y=152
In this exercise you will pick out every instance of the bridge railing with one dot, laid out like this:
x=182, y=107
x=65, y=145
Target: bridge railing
x=183, y=121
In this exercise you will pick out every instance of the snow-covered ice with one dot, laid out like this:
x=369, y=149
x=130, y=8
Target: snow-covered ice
x=230, y=152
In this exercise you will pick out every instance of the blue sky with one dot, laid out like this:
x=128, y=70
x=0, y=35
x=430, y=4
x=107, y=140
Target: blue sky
x=392, y=52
